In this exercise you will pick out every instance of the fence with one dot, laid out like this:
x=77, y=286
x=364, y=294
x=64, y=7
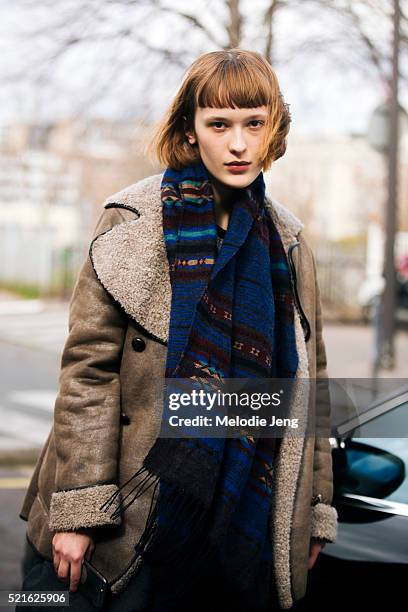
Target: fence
x=31, y=261
x=34, y=264
x=340, y=271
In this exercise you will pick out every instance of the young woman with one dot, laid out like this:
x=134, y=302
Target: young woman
x=193, y=272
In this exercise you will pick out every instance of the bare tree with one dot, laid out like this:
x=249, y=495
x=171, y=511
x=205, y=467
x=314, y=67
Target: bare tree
x=369, y=27
x=139, y=46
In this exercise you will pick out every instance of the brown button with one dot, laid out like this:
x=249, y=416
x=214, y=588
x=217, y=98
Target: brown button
x=138, y=344
x=124, y=419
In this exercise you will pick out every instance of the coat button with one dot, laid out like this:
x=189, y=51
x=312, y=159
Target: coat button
x=138, y=344
x=317, y=499
x=124, y=419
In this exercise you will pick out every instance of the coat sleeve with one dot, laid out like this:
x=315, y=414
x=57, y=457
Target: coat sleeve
x=324, y=515
x=87, y=408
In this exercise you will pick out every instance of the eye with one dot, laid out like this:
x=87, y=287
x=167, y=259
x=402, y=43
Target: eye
x=217, y=124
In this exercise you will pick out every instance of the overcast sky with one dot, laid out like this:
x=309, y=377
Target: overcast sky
x=326, y=95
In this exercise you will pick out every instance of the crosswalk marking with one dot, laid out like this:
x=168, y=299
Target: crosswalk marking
x=14, y=483
x=46, y=330
x=22, y=306
x=26, y=415
x=22, y=430
x=42, y=399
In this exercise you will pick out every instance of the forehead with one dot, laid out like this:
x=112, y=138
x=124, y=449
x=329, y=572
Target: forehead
x=236, y=114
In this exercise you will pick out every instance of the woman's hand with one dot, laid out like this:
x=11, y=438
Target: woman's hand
x=69, y=550
x=315, y=548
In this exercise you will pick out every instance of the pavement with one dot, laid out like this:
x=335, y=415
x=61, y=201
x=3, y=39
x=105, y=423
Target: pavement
x=350, y=351
x=13, y=483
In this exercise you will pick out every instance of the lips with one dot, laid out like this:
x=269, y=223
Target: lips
x=238, y=163
x=237, y=167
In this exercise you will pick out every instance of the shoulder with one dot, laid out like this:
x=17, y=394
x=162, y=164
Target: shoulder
x=139, y=197
x=289, y=226
x=284, y=215
x=129, y=203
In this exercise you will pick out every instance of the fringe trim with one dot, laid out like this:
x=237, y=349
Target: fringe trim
x=156, y=544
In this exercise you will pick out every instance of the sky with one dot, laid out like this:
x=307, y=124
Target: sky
x=327, y=93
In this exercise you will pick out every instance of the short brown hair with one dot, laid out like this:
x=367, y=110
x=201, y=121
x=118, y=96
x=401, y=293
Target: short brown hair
x=222, y=79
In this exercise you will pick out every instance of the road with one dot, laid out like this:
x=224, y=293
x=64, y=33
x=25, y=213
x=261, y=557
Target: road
x=29, y=382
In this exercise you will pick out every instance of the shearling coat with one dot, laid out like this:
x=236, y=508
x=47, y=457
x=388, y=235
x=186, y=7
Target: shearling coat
x=106, y=416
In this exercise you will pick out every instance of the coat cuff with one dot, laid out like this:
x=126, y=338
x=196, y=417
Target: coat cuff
x=324, y=522
x=77, y=508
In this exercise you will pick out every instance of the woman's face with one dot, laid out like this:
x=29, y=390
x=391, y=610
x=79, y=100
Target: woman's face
x=226, y=135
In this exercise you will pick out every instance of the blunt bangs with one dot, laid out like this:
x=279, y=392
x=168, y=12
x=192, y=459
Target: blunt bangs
x=234, y=84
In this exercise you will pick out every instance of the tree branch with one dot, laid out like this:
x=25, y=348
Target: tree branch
x=191, y=18
x=268, y=22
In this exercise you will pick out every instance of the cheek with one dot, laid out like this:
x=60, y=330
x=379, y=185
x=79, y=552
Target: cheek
x=257, y=141
x=212, y=147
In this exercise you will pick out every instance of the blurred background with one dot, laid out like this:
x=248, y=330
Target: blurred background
x=82, y=85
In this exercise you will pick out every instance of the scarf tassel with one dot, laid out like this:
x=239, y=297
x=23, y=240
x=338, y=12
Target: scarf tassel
x=177, y=562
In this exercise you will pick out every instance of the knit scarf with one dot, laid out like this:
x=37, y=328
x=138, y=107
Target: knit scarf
x=232, y=316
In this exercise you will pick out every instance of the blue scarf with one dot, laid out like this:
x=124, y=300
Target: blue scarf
x=232, y=316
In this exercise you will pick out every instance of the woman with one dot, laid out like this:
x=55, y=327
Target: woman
x=191, y=273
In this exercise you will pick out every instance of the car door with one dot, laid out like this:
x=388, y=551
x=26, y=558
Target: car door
x=374, y=528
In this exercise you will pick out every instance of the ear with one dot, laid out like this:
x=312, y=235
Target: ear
x=189, y=134
x=190, y=137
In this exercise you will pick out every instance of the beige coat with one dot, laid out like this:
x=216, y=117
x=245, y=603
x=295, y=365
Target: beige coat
x=106, y=417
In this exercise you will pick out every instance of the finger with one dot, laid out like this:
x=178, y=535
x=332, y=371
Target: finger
x=76, y=569
x=88, y=553
x=63, y=570
x=56, y=561
x=312, y=559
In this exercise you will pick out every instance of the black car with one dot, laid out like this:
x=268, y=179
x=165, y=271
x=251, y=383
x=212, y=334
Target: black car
x=367, y=567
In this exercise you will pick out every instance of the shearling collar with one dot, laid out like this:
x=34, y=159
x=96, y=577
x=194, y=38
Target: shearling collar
x=144, y=196
x=130, y=260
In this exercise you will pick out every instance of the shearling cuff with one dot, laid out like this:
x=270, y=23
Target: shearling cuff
x=75, y=508
x=324, y=522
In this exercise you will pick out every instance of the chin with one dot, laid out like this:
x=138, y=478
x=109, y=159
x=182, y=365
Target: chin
x=239, y=181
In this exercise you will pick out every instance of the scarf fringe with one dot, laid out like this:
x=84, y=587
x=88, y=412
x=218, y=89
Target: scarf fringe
x=139, y=489
x=182, y=560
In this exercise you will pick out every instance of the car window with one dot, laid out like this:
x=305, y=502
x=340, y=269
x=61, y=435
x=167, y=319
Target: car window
x=391, y=424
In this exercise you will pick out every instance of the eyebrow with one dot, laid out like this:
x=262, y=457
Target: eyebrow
x=220, y=118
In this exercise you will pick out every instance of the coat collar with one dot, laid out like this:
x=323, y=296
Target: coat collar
x=144, y=196
x=130, y=259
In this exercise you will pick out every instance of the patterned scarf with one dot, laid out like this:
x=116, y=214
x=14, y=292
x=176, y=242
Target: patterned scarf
x=231, y=317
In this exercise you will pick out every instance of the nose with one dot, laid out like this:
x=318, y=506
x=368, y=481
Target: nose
x=237, y=142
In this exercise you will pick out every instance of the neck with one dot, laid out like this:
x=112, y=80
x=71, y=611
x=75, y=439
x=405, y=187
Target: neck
x=223, y=201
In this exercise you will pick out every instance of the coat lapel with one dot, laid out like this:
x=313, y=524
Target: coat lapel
x=131, y=263
x=130, y=260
